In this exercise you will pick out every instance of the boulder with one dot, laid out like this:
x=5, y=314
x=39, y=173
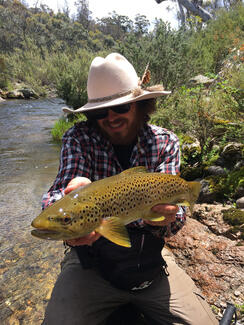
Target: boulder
x=231, y=155
x=191, y=150
x=215, y=170
x=29, y=93
x=240, y=203
x=205, y=195
x=212, y=260
x=15, y=94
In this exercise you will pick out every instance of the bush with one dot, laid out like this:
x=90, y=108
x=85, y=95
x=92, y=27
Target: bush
x=62, y=125
x=71, y=71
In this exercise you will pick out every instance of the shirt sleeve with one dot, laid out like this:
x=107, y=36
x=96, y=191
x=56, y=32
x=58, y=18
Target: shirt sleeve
x=169, y=163
x=74, y=161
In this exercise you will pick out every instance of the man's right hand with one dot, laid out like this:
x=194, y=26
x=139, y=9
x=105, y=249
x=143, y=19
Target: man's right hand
x=93, y=236
x=85, y=240
x=75, y=183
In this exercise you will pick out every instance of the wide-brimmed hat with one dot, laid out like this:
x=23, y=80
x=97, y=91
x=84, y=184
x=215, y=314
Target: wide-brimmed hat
x=113, y=81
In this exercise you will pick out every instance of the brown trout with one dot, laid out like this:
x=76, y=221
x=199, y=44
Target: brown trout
x=107, y=205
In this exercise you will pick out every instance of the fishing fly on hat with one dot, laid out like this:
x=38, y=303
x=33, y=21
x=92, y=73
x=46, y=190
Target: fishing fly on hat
x=113, y=81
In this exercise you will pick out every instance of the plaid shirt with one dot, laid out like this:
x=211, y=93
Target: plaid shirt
x=85, y=152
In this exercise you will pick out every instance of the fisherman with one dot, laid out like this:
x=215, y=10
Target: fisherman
x=98, y=276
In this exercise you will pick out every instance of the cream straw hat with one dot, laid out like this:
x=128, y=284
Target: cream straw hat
x=113, y=81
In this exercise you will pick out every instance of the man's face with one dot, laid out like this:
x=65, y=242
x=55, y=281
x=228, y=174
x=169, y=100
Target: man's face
x=121, y=129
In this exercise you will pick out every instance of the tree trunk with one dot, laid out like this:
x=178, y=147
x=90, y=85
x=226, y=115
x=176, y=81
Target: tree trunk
x=182, y=14
x=195, y=9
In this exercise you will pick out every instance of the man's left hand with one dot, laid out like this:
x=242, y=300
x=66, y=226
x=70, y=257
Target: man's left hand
x=166, y=210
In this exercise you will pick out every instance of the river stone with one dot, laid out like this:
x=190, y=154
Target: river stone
x=231, y=155
x=216, y=170
x=205, y=196
x=28, y=93
x=239, y=164
x=232, y=148
x=15, y=94
x=240, y=203
x=239, y=192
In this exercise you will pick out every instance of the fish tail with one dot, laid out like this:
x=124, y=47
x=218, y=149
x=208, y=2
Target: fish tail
x=114, y=230
x=195, y=190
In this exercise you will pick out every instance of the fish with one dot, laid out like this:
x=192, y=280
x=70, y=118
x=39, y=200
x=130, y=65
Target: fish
x=108, y=205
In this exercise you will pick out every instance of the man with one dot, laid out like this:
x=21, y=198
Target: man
x=98, y=276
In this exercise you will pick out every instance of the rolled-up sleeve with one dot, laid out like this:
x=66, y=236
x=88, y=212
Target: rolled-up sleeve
x=73, y=162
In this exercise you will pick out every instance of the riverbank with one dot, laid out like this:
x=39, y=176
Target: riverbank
x=211, y=257
x=23, y=91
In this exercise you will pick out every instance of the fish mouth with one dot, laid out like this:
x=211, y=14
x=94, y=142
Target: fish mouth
x=47, y=234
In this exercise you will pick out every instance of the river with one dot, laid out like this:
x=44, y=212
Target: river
x=28, y=164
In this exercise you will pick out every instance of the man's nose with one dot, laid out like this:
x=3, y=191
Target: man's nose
x=112, y=115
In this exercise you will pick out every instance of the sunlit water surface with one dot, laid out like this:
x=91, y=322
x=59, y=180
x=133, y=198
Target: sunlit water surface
x=28, y=165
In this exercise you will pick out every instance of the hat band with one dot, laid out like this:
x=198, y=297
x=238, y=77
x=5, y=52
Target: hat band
x=115, y=96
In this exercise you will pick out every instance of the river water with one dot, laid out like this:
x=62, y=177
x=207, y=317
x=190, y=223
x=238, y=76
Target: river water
x=28, y=165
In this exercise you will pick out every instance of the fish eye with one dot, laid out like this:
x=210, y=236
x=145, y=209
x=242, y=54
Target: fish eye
x=66, y=220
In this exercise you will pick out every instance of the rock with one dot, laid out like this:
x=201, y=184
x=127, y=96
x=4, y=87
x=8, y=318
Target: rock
x=240, y=203
x=216, y=170
x=231, y=155
x=213, y=261
x=190, y=149
x=237, y=293
x=239, y=192
x=239, y=164
x=15, y=94
x=213, y=216
x=205, y=196
x=18, y=93
x=29, y=93
x=232, y=148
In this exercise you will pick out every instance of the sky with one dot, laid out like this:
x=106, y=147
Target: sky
x=101, y=8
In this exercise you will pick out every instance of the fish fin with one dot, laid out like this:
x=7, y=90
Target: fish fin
x=153, y=216
x=195, y=190
x=114, y=230
x=161, y=218
x=184, y=203
x=138, y=169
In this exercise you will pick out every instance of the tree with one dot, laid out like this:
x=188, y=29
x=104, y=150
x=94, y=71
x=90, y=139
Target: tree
x=115, y=25
x=83, y=13
x=141, y=24
x=194, y=8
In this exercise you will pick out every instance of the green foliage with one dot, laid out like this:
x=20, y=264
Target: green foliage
x=235, y=218
x=71, y=76
x=225, y=186
x=4, y=80
x=62, y=125
x=209, y=47
x=196, y=111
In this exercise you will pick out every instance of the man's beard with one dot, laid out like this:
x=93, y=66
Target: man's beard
x=118, y=138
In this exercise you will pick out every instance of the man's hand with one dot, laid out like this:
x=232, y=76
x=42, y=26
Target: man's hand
x=166, y=210
x=75, y=183
x=93, y=236
x=86, y=240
